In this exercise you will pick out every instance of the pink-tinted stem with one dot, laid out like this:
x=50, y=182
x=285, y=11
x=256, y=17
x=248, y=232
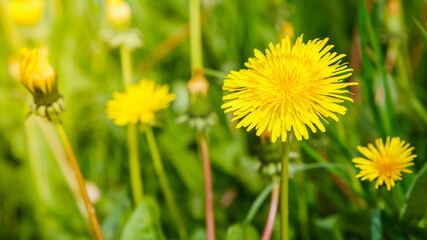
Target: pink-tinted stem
x=269, y=225
x=210, y=223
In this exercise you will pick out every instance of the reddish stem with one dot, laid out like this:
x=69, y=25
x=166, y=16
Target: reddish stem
x=210, y=223
x=269, y=225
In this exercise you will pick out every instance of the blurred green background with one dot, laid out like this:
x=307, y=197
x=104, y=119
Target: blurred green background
x=383, y=41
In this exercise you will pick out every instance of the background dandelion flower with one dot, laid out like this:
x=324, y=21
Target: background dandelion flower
x=139, y=103
x=26, y=12
x=385, y=162
x=290, y=87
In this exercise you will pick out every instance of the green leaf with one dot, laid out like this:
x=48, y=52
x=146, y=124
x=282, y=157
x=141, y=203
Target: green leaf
x=143, y=223
x=259, y=200
x=422, y=30
x=241, y=232
x=415, y=205
x=376, y=225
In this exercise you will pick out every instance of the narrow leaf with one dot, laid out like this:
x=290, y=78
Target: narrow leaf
x=415, y=205
x=376, y=225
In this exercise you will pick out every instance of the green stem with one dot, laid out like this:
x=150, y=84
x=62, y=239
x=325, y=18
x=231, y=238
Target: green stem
x=284, y=189
x=195, y=36
x=80, y=181
x=300, y=181
x=132, y=134
x=158, y=166
x=126, y=60
x=134, y=167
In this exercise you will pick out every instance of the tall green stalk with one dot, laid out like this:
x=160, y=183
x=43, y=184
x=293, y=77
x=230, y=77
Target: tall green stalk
x=164, y=183
x=196, y=64
x=132, y=134
x=284, y=191
x=134, y=167
x=195, y=36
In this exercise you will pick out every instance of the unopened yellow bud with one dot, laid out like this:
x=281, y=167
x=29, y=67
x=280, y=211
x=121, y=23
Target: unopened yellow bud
x=198, y=85
x=26, y=12
x=118, y=13
x=393, y=7
x=38, y=76
x=287, y=30
x=266, y=134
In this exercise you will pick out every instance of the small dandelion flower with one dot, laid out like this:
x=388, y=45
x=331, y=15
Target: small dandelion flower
x=139, y=103
x=26, y=12
x=118, y=12
x=384, y=162
x=289, y=88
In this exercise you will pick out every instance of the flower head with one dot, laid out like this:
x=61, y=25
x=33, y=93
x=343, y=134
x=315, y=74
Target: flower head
x=139, y=103
x=26, y=12
x=118, y=12
x=385, y=162
x=291, y=87
x=38, y=76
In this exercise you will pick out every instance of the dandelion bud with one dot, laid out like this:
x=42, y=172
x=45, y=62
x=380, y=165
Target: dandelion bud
x=39, y=77
x=118, y=13
x=393, y=7
x=198, y=85
x=26, y=12
x=287, y=30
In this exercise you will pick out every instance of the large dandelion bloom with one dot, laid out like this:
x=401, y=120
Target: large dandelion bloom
x=289, y=88
x=139, y=103
x=385, y=162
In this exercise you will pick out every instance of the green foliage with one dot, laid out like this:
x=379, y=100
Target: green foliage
x=240, y=232
x=414, y=208
x=144, y=222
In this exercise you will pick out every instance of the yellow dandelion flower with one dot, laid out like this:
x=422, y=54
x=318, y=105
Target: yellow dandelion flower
x=384, y=162
x=38, y=76
x=139, y=103
x=290, y=87
x=118, y=12
x=26, y=12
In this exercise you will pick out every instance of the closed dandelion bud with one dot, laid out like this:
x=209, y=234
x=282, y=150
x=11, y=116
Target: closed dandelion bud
x=198, y=85
x=198, y=88
x=118, y=13
x=287, y=30
x=26, y=12
x=39, y=77
x=393, y=10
